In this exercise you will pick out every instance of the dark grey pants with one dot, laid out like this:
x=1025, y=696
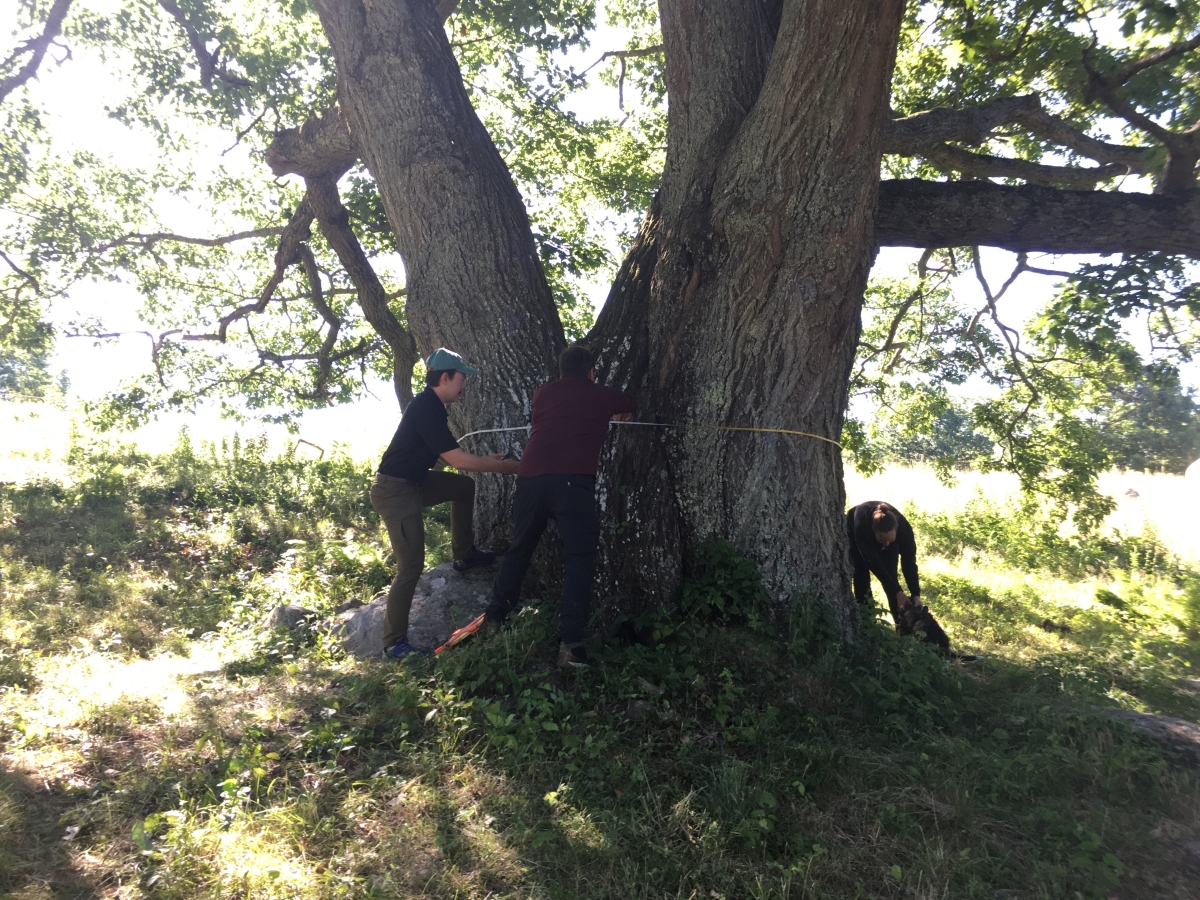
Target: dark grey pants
x=399, y=503
x=571, y=501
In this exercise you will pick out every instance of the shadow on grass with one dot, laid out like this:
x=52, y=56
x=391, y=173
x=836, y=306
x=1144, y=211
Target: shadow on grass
x=722, y=762
x=35, y=861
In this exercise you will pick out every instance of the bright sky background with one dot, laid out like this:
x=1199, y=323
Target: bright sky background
x=76, y=94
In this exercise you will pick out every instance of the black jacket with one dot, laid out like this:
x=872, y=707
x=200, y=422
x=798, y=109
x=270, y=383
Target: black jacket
x=882, y=560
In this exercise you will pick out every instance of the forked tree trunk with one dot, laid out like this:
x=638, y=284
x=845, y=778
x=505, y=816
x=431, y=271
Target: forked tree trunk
x=764, y=244
x=738, y=304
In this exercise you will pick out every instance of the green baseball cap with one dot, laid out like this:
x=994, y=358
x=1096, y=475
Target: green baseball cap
x=442, y=359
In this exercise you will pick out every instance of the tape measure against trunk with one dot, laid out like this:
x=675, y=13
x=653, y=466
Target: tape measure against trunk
x=668, y=425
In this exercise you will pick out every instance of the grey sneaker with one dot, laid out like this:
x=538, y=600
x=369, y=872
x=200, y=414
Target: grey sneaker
x=572, y=656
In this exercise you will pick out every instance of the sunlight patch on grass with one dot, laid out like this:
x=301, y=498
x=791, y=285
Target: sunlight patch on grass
x=72, y=687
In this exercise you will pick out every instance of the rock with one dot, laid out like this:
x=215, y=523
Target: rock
x=361, y=630
x=649, y=688
x=1178, y=735
x=1191, y=685
x=1191, y=855
x=289, y=618
x=638, y=709
x=444, y=601
x=352, y=603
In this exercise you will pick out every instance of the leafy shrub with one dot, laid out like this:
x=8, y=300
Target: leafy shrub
x=725, y=586
x=1031, y=536
x=15, y=672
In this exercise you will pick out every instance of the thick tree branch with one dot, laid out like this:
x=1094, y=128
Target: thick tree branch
x=334, y=221
x=907, y=136
x=36, y=48
x=1183, y=149
x=321, y=146
x=1154, y=58
x=914, y=213
x=917, y=134
x=979, y=165
x=210, y=63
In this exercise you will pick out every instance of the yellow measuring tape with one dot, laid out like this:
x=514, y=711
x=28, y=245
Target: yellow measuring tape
x=668, y=425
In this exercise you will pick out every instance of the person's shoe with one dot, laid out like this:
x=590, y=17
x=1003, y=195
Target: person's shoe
x=403, y=648
x=491, y=627
x=572, y=656
x=477, y=558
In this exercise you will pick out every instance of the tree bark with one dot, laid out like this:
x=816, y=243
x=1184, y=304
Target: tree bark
x=914, y=213
x=763, y=331
x=475, y=283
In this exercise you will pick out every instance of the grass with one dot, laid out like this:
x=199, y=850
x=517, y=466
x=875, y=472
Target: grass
x=153, y=743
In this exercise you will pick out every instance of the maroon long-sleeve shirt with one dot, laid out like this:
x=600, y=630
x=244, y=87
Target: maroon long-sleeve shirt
x=570, y=421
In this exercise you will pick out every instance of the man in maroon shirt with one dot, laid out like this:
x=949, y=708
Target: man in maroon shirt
x=557, y=480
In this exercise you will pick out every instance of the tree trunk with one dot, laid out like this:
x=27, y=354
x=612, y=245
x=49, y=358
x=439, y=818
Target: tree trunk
x=475, y=283
x=764, y=244
x=737, y=306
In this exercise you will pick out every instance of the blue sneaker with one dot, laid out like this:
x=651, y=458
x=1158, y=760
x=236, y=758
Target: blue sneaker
x=403, y=648
x=477, y=558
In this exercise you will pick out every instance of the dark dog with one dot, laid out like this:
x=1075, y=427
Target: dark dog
x=919, y=622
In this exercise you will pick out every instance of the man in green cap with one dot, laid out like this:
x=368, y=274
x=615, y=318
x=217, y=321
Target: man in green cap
x=405, y=485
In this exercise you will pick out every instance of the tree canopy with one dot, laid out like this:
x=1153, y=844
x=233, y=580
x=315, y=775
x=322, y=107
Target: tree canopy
x=1032, y=126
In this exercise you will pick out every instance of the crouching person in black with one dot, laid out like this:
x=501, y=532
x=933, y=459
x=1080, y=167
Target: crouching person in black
x=881, y=538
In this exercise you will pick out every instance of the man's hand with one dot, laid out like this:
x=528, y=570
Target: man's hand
x=505, y=466
x=903, y=600
x=621, y=417
x=469, y=462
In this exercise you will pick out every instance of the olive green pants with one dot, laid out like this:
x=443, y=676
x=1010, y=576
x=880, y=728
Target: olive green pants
x=399, y=503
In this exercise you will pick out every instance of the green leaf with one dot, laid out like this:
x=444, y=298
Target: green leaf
x=140, y=839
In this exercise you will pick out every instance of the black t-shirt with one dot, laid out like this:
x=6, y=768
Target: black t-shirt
x=422, y=437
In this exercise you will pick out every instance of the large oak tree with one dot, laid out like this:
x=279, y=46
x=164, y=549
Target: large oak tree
x=739, y=302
